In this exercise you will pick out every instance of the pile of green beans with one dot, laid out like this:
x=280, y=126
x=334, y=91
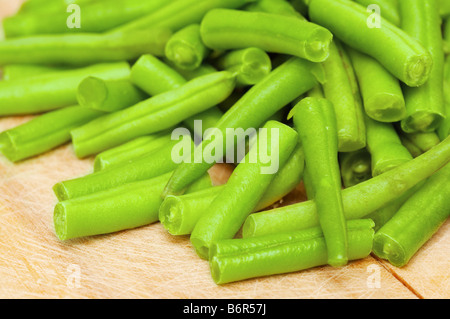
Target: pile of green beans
x=325, y=97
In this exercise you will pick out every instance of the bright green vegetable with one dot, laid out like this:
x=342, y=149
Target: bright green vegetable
x=179, y=214
x=239, y=259
x=43, y=133
x=51, y=91
x=359, y=200
x=284, y=84
x=410, y=146
x=24, y=71
x=123, y=207
x=251, y=65
x=315, y=122
x=108, y=96
x=153, y=115
x=398, y=52
x=186, y=49
x=416, y=221
x=385, y=147
x=239, y=197
x=131, y=151
x=341, y=88
x=225, y=29
x=381, y=92
x=388, y=9
x=356, y=167
x=424, y=141
x=83, y=48
x=97, y=16
x=425, y=104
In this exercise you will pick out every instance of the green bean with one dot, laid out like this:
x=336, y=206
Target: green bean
x=275, y=6
x=228, y=210
x=425, y=104
x=225, y=29
x=244, y=258
x=124, y=207
x=381, y=92
x=179, y=214
x=416, y=221
x=250, y=64
x=148, y=166
x=424, y=141
x=186, y=49
x=98, y=16
x=131, y=151
x=153, y=115
x=410, y=146
x=51, y=91
x=398, y=52
x=385, y=147
x=388, y=9
x=444, y=128
x=43, y=133
x=315, y=122
x=24, y=71
x=108, y=96
x=341, y=89
x=359, y=200
x=83, y=48
x=284, y=84
x=356, y=167
x=179, y=14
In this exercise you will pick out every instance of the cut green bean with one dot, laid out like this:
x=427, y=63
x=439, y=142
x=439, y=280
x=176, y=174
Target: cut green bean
x=410, y=146
x=398, y=52
x=51, y=91
x=416, y=221
x=25, y=71
x=275, y=6
x=179, y=14
x=388, y=9
x=425, y=104
x=385, y=147
x=251, y=65
x=341, y=88
x=124, y=207
x=186, y=49
x=381, y=92
x=43, y=133
x=83, y=48
x=225, y=29
x=179, y=214
x=97, y=16
x=315, y=122
x=108, y=96
x=284, y=84
x=356, y=167
x=359, y=200
x=424, y=141
x=131, y=151
x=148, y=166
x=231, y=206
x=244, y=258
x=153, y=115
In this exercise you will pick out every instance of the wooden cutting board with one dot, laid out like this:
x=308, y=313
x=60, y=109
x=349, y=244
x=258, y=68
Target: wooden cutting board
x=149, y=263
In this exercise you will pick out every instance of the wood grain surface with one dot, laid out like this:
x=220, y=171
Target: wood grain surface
x=149, y=263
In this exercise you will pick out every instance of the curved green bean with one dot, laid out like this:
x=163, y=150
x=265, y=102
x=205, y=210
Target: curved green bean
x=96, y=16
x=228, y=210
x=359, y=200
x=51, y=91
x=356, y=167
x=244, y=258
x=153, y=115
x=284, y=84
x=398, y=52
x=341, y=88
x=225, y=29
x=43, y=133
x=186, y=49
x=251, y=65
x=385, y=147
x=425, y=104
x=381, y=92
x=416, y=221
x=315, y=122
x=388, y=9
x=108, y=96
x=179, y=214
